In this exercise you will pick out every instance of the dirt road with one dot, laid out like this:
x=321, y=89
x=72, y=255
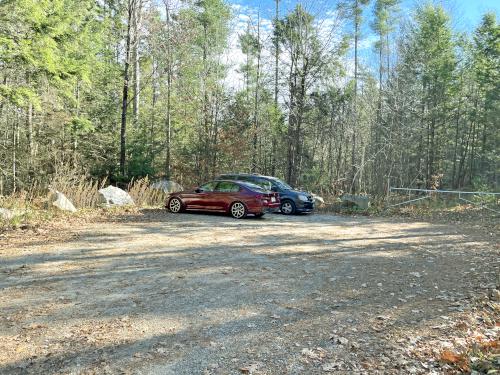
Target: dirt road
x=159, y=293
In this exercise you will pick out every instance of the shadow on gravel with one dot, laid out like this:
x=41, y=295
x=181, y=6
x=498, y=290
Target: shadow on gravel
x=262, y=284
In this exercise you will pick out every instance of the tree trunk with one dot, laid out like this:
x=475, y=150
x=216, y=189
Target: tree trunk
x=276, y=73
x=455, y=147
x=123, y=128
x=355, y=119
x=135, y=59
x=29, y=126
x=14, y=155
x=256, y=107
x=154, y=98
x=168, y=122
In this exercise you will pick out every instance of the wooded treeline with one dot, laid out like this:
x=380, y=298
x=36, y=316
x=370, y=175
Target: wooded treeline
x=128, y=88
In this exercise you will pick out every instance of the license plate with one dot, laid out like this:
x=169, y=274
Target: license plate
x=273, y=199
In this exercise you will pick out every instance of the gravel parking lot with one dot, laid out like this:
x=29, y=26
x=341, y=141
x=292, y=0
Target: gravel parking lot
x=158, y=293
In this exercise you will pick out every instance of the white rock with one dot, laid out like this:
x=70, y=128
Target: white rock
x=343, y=341
x=318, y=199
x=113, y=196
x=59, y=200
x=6, y=214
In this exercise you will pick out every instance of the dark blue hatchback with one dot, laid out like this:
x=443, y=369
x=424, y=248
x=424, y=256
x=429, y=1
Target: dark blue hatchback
x=292, y=201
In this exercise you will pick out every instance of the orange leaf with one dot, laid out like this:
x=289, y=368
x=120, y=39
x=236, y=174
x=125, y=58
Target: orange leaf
x=493, y=344
x=458, y=360
x=449, y=357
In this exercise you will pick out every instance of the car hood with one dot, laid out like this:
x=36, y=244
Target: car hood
x=297, y=192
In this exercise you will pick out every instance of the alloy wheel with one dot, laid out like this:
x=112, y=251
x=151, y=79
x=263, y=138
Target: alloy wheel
x=238, y=210
x=174, y=205
x=287, y=208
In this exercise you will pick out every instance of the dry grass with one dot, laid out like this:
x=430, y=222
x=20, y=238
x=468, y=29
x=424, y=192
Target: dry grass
x=31, y=209
x=83, y=192
x=145, y=196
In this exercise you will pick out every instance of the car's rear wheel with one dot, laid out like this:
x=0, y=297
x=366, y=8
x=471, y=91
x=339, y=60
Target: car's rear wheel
x=287, y=207
x=238, y=210
x=175, y=205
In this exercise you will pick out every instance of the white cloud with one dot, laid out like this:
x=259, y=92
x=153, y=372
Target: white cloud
x=367, y=42
x=234, y=57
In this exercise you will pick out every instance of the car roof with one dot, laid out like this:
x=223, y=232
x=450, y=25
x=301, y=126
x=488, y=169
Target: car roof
x=248, y=175
x=241, y=174
x=246, y=183
x=226, y=180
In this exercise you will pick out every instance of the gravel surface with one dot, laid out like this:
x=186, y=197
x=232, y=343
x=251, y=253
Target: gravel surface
x=158, y=293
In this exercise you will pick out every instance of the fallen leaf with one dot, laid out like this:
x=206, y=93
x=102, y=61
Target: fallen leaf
x=250, y=369
x=460, y=361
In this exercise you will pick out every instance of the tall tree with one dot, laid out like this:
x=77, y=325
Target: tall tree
x=123, y=128
x=307, y=54
x=354, y=11
x=486, y=67
x=383, y=24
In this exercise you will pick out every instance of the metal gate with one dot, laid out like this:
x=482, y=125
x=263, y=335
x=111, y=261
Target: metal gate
x=429, y=193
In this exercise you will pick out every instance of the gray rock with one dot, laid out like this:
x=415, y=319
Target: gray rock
x=167, y=186
x=361, y=201
x=113, y=196
x=59, y=200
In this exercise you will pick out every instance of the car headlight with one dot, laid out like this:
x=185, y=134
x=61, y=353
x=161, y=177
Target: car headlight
x=303, y=197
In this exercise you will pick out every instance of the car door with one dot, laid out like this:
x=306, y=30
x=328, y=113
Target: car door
x=202, y=198
x=226, y=193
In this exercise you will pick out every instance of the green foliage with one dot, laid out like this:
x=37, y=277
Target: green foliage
x=430, y=117
x=81, y=126
x=19, y=96
x=383, y=10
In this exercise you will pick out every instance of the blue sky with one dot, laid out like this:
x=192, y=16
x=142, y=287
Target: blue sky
x=465, y=16
x=466, y=13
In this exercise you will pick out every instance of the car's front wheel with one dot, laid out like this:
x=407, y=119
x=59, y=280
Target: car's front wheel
x=175, y=205
x=238, y=210
x=287, y=207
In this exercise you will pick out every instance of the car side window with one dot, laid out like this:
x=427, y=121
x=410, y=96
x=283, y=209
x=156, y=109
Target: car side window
x=244, y=178
x=208, y=187
x=263, y=183
x=227, y=187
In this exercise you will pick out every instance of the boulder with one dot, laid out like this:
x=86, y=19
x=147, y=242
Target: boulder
x=9, y=214
x=167, y=186
x=59, y=200
x=362, y=201
x=318, y=199
x=6, y=214
x=113, y=196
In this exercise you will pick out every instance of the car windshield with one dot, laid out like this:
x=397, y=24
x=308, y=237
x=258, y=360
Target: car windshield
x=281, y=184
x=256, y=188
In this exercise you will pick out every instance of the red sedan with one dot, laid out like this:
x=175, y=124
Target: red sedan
x=234, y=197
